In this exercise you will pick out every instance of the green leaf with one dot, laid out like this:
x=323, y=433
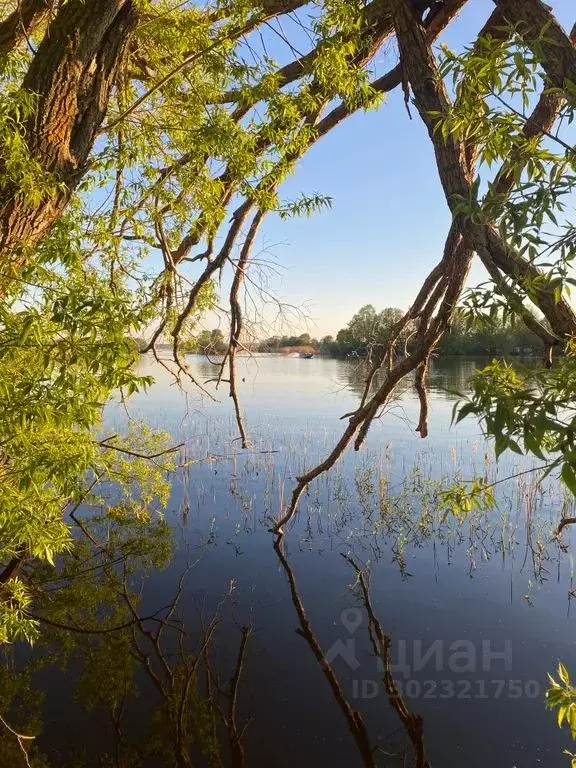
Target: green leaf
x=568, y=476
x=465, y=411
x=563, y=674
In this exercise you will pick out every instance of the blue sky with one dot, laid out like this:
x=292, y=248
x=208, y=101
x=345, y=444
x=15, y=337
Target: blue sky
x=389, y=218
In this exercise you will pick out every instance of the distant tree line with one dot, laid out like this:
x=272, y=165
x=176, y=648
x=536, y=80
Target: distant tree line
x=278, y=343
x=368, y=332
x=500, y=336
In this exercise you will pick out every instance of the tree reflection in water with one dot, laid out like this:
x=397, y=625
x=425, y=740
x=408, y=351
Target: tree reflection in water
x=90, y=612
x=161, y=686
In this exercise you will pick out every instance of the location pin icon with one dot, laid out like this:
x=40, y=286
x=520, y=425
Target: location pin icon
x=351, y=618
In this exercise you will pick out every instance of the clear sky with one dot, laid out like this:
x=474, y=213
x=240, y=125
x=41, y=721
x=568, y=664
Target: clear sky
x=389, y=217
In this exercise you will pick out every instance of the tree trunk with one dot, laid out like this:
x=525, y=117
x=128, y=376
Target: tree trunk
x=72, y=75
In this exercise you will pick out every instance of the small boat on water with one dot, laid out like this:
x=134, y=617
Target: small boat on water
x=307, y=355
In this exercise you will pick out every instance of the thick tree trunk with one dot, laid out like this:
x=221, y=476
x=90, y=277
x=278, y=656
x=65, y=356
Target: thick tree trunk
x=72, y=75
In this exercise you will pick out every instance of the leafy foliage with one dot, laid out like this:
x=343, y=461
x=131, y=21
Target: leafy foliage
x=529, y=410
x=561, y=696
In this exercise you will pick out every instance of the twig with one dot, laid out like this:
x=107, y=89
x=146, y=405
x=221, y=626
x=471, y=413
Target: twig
x=20, y=738
x=137, y=455
x=95, y=631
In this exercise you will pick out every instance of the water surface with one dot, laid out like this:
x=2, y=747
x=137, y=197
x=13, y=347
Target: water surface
x=477, y=612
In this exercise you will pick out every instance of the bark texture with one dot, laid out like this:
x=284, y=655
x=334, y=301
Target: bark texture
x=72, y=76
x=21, y=23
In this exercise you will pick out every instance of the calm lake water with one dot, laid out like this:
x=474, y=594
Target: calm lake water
x=477, y=612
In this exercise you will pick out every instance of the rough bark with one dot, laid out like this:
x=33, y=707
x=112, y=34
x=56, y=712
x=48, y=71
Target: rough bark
x=431, y=98
x=539, y=28
x=21, y=23
x=72, y=75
